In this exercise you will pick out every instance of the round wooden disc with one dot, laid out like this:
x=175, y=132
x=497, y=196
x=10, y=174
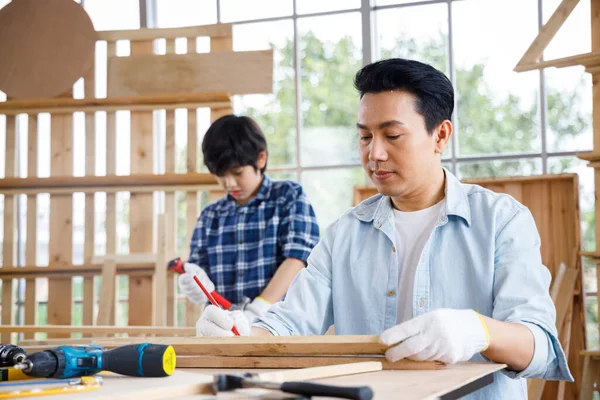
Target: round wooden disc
x=45, y=46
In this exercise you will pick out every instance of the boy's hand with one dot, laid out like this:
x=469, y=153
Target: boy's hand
x=445, y=335
x=190, y=288
x=217, y=322
x=256, y=309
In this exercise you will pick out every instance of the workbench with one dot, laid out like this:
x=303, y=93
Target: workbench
x=451, y=382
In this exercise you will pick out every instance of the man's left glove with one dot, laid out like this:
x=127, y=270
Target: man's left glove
x=445, y=335
x=256, y=309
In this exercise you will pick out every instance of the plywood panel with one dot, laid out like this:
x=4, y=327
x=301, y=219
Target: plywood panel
x=10, y=225
x=233, y=72
x=31, y=248
x=61, y=227
x=141, y=209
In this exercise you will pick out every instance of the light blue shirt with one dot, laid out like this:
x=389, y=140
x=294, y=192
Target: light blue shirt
x=483, y=254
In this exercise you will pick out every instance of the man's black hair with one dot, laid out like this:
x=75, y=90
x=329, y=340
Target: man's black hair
x=432, y=89
x=233, y=141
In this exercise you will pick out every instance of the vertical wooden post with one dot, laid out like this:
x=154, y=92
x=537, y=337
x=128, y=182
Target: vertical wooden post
x=31, y=249
x=10, y=224
x=61, y=224
x=141, y=214
x=90, y=209
x=160, y=273
x=221, y=43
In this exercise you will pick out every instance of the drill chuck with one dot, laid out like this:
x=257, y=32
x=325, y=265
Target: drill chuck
x=11, y=355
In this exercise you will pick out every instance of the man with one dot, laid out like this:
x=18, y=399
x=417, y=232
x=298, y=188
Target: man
x=441, y=270
x=251, y=243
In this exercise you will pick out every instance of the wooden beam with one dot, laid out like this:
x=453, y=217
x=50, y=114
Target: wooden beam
x=61, y=224
x=33, y=271
x=240, y=72
x=297, y=362
x=170, y=101
x=192, y=311
x=170, y=214
x=105, y=183
x=107, y=330
x=145, y=34
x=141, y=206
x=159, y=298
x=10, y=224
x=107, y=304
x=547, y=32
x=589, y=60
x=31, y=249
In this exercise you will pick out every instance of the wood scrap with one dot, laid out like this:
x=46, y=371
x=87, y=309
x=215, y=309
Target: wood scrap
x=298, y=362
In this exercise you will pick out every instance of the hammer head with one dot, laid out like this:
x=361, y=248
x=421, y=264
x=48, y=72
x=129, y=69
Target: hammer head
x=224, y=383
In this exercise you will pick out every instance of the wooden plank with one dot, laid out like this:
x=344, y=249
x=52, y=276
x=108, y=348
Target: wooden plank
x=106, y=306
x=145, y=34
x=160, y=275
x=69, y=270
x=589, y=60
x=240, y=72
x=170, y=215
x=63, y=105
x=565, y=340
x=61, y=226
x=31, y=249
x=10, y=224
x=101, y=330
x=547, y=32
x=128, y=259
x=90, y=208
x=297, y=362
x=192, y=311
x=141, y=208
x=318, y=372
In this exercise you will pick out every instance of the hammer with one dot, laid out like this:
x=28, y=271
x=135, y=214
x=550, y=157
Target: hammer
x=231, y=382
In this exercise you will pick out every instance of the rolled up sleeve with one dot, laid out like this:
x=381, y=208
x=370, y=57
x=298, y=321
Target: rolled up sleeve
x=521, y=295
x=299, y=229
x=308, y=307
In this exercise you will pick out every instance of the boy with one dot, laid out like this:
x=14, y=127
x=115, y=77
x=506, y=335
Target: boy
x=254, y=241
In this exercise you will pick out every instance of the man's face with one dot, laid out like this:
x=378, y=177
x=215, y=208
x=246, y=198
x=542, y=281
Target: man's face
x=396, y=151
x=243, y=183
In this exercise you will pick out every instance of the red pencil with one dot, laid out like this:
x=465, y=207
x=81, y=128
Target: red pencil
x=213, y=301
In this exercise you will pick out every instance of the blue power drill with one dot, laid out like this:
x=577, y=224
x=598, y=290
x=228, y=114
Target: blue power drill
x=150, y=360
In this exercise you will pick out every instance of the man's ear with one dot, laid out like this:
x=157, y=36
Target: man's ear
x=262, y=159
x=442, y=136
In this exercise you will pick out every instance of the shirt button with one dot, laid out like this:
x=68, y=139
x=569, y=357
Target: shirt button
x=393, y=249
x=241, y=273
x=421, y=302
x=391, y=293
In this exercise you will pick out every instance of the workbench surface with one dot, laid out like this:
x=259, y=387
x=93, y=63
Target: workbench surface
x=412, y=385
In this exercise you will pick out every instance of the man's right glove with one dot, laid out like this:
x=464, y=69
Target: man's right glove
x=217, y=322
x=190, y=288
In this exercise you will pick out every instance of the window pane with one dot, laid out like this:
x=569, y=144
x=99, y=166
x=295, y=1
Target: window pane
x=419, y=33
x=558, y=165
x=499, y=168
x=592, y=322
x=174, y=13
x=239, y=10
x=114, y=14
x=497, y=108
x=275, y=113
x=329, y=60
x=574, y=36
x=315, y=6
x=330, y=192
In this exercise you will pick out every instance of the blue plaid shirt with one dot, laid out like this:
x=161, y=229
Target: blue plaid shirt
x=241, y=247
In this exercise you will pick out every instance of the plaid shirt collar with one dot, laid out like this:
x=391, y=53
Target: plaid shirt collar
x=263, y=193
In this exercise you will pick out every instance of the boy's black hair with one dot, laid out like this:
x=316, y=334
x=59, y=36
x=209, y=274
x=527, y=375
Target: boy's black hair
x=232, y=142
x=432, y=89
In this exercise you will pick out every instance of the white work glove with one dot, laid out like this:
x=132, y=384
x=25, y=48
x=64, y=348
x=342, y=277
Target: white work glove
x=256, y=309
x=190, y=288
x=445, y=335
x=218, y=322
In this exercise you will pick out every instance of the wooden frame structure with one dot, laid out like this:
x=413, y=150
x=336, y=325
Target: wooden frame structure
x=553, y=201
x=152, y=295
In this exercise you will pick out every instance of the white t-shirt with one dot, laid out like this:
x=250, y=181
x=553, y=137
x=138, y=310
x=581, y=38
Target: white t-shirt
x=413, y=230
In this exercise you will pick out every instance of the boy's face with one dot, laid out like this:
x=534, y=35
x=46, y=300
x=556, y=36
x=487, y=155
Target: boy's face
x=243, y=183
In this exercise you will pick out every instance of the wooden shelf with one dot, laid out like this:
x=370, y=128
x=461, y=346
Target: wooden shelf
x=90, y=184
x=132, y=103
